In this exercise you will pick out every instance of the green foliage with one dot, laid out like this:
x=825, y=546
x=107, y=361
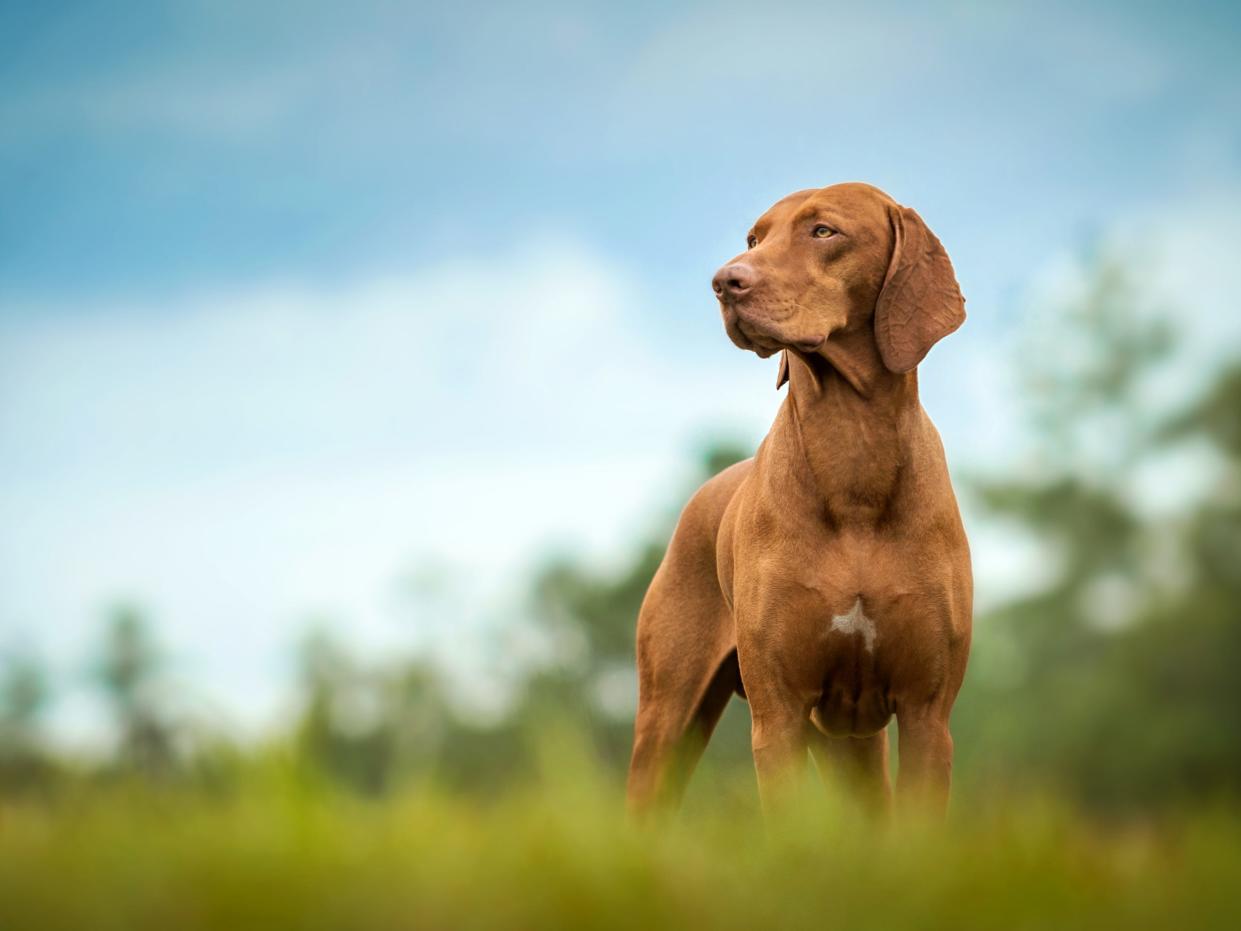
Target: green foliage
x=24, y=691
x=1119, y=681
x=129, y=674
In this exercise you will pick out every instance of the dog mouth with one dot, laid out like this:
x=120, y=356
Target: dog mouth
x=761, y=337
x=758, y=341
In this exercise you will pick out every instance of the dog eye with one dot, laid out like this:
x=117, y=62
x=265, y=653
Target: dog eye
x=823, y=232
x=751, y=242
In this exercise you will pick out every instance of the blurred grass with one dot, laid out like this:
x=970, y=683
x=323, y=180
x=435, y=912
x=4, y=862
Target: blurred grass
x=278, y=847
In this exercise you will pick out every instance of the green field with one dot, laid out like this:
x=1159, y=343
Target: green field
x=281, y=848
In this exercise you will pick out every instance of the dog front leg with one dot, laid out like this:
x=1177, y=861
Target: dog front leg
x=926, y=762
x=781, y=687
x=859, y=765
x=778, y=738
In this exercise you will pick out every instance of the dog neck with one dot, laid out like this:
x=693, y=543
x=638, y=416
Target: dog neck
x=851, y=422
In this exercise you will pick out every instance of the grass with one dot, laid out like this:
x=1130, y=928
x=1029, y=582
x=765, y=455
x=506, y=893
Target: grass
x=281, y=850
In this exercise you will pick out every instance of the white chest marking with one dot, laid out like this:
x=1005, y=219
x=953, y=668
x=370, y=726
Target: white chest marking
x=855, y=622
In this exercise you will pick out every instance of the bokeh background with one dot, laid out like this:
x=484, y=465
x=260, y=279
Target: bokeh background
x=356, y=358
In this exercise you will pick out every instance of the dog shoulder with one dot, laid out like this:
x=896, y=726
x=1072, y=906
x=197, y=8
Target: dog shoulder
x=700, y=519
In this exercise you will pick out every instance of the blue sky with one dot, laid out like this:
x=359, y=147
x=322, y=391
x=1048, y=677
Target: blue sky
x=293, y=301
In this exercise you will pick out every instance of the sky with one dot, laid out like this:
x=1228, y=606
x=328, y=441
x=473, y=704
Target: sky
x=303, y=305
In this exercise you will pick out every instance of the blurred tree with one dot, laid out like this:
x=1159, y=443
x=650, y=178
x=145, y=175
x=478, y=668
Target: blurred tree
x=367, y=725
x=340, y=729
x=1116, y=679
x=130, y=672
x=24, y=692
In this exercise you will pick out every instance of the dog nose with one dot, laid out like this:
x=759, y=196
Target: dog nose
x=733, y=281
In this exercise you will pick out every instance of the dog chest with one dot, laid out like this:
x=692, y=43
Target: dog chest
x=856, y=623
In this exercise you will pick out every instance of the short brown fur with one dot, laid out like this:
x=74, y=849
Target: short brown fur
x=844, y=516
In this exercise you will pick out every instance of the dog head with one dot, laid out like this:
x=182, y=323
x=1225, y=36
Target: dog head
x=845, y=259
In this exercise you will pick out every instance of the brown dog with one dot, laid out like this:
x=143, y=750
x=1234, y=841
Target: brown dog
x=827, y=580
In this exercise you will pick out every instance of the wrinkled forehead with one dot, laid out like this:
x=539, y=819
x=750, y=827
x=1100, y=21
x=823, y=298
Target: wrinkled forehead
x=851, y=201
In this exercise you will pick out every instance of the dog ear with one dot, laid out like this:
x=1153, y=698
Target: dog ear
x=783, y=374
x=920, y=302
